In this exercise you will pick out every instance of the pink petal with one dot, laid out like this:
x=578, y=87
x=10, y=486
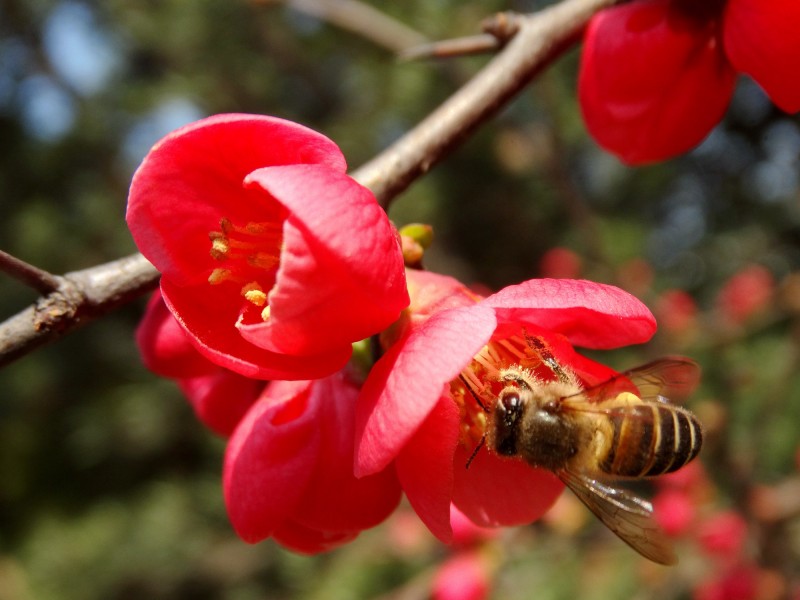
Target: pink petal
x=193, y=177
x=498, y=492
x=425, y=467
x=335, y=500
x=467, y=533
x=165, y=347
x=761, y=40
x=432, y=292
x=270, y=460
x=405, y=384
x=341, y=276
x=589, y=314
x=652, y=82
x=305, y=540
x=222, y=398
x=209, y=320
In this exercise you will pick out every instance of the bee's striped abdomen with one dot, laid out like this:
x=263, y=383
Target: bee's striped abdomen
x=651, y=439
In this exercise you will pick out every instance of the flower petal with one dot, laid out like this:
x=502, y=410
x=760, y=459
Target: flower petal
x=306, y=540
x=652, y=83
x=341, y=276
x=209, y=320
x=405, y=384
x=589, y=314
x=496, y=492
x=164, y=345
x=761, y=40
x=194, y=176
x=335, y=500
x=221, y=399
x=270, y=460
x=425, y=467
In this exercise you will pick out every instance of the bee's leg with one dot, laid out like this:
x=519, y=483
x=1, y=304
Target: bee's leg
x=475, y=452
x=541, y=348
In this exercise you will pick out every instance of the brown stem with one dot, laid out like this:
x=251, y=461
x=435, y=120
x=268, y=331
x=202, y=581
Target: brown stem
x=80, y=297
x=37, y=278
x=540, y=39
x=359, y=18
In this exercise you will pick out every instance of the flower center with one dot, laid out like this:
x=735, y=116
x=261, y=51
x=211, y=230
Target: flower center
x=249, y=256
x=477, y=386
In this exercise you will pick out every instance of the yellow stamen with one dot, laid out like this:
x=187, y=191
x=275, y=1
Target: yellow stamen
x=219, y=248
x=265, y=314
x=253, y=293
x=218, y=276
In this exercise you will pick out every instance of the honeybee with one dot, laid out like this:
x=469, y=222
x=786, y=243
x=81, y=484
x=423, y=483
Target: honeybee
x=592, y=437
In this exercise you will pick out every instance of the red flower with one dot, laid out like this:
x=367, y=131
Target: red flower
x=415, y=409
x=723, y=534
x=657, y=75
x=289, y=469
x=464, y=576
x=273, y=259
x=219, y=397
x=745, y=294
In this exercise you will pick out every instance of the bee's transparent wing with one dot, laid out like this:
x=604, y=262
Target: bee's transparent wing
x=628, y=516
x=672, y=377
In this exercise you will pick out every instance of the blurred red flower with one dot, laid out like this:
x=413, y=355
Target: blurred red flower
x=560, y=263
x=219, y=397
x=288, y=470
x=746, y=293
x=676, y=311
x=657, y=75
x=464, y=576
x=739, y=582
x=723, y=534
x=415, y=409
x=272, y=258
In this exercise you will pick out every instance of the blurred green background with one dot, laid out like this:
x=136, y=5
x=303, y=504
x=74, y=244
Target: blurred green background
x=109, y=488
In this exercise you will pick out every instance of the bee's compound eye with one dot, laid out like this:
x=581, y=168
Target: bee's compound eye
x=511, y=401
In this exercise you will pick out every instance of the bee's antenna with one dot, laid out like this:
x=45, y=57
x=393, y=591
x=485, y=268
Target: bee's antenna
x=474, y=452
x=471, y=391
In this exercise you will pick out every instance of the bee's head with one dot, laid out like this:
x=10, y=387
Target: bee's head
x=506, y=418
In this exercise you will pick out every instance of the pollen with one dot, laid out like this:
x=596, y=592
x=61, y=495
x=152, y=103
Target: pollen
x=253, y=293
x=250, y=254
x=218, y=276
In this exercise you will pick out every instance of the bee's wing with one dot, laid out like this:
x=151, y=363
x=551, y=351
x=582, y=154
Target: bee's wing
x=628, y=516
x=673, y=377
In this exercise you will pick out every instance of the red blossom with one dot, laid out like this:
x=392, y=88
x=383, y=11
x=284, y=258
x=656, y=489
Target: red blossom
x=737, y=583
x=273, y=259
x=414, y=409
x=657, y=75
x=464, y=576
x=676, y=311
x=219, y=397
x=674, y=510
x=746, y=293
x=723, y=534
x=288, y=470
x=560, y=263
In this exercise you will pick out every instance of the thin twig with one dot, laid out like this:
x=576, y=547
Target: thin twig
x=463, y=46
x=80, y=297
x=359, y=18
x=34, y=277
x=541, y=37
